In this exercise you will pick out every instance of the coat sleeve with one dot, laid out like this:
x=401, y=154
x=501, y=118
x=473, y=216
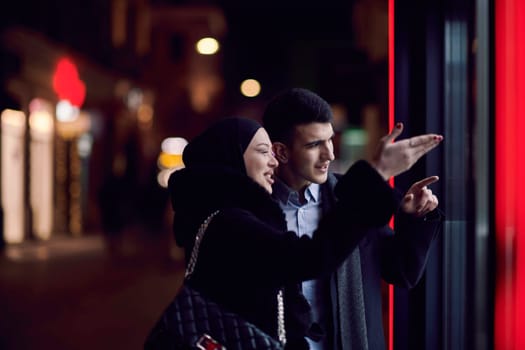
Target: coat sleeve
x=404, y=254
x=239, y=245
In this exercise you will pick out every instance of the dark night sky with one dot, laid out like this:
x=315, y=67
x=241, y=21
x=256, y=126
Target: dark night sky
x=279, y=30
x=273, y=25
x=281, y=43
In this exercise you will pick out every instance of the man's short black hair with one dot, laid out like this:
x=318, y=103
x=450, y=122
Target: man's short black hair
x=296, y=106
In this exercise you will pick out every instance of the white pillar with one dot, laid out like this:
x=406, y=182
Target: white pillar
x=13, y=131
x=41, y=173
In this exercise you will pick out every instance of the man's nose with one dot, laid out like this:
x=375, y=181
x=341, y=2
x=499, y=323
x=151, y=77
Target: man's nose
x=328, y=153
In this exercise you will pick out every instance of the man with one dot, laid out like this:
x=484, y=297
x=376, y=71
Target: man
x=346, y=307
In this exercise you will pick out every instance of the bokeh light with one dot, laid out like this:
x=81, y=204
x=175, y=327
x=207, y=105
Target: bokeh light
x=250, y=88
x=207, y=46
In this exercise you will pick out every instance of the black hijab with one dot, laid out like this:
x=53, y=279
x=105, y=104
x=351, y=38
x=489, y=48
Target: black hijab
x=222, y=144
x=215, y=177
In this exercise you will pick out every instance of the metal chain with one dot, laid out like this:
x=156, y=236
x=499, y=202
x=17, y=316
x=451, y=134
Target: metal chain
x=198, y=239
x=281, y=331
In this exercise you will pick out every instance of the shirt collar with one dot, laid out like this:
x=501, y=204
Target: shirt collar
x=285, y=194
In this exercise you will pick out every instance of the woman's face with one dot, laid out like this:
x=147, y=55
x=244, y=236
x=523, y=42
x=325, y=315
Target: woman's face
x=259, y=160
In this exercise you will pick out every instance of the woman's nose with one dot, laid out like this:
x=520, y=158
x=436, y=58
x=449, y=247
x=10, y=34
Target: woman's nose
x=274, y=163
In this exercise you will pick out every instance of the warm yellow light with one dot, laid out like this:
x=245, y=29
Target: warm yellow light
x=74, y=128
x=250, y=88
x=41, y=121
x=167, y=161
x=16, y=119
x=207, y=46
x=170, y=156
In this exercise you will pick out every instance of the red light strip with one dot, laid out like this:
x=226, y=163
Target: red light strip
x=520, y=163
x=509, y=323
x=391, y=110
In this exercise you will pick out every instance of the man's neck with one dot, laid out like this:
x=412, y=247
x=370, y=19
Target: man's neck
x=299, y=188
x=291, y=181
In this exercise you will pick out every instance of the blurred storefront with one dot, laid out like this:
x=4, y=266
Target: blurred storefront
x=80, y=145
x=47, y=143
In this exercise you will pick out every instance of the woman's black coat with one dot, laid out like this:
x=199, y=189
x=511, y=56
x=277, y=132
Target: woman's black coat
x=247, y=254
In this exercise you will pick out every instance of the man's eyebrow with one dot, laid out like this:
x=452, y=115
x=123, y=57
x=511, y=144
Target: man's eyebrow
x=312, y=142
x=319, y=140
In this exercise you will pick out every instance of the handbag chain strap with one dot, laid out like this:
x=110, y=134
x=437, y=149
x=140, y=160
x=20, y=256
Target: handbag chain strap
x=281, y=331
x=198, y=240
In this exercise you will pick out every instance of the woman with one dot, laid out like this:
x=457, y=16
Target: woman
x=247, y=255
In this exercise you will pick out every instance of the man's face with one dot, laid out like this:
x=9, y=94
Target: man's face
x=309, y=154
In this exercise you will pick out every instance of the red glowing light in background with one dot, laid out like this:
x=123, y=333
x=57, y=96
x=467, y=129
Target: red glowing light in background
x=391, y=117
x=509, y=323
x=67, y=84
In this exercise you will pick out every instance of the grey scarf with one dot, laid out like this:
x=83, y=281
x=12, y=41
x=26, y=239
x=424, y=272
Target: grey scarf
x=351, y=305
x=348, y=305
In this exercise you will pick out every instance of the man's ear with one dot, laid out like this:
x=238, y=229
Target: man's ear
x=281, y=152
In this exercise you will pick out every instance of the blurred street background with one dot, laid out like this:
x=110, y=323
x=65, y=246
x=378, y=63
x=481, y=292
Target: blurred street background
x=85, y=293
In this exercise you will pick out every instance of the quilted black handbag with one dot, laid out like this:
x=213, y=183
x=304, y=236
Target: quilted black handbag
x=192, y=321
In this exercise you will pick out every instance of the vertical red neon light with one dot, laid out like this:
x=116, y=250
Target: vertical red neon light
x=391, y=110
x=509, y=323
